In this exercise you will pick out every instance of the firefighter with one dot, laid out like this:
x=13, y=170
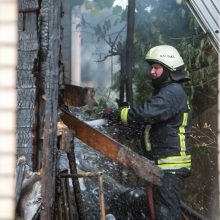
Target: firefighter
x=169, y=117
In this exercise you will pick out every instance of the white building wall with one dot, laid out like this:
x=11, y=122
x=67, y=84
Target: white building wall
x=76, y=52
x=8, y=60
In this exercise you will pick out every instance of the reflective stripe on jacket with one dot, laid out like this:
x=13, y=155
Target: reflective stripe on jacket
x=169, y=115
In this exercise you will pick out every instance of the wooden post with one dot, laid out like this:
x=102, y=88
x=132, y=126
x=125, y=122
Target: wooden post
x=75, y=176
x=101, y=197
x=129, y=51
x=49, y=76
x=76, y=186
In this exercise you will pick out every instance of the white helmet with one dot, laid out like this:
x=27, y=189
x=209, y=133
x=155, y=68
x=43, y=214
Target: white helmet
x=169, y=57
x=166, y=55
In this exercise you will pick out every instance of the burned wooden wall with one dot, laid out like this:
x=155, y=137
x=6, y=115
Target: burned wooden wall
x=33, y=66
x=26, y=89
x=38, y=72
x=48, y=99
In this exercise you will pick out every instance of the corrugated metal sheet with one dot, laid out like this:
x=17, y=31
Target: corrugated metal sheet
x=207, y=14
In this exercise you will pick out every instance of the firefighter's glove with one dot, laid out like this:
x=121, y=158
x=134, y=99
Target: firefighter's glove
x=124, y=115
x=112, y=115
x=122, y=104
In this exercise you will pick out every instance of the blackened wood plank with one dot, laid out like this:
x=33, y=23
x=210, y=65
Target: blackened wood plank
x=112, y=149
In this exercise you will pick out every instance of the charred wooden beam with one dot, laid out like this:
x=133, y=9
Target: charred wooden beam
x=78, y=96
x=101, y=190
x=48, y=171
x=59, y=202
x=65, y=199
x=47, y=83
x=75, y=182
x=80, y=175
x=71, y=204
x=29, y=10
x=112, y=149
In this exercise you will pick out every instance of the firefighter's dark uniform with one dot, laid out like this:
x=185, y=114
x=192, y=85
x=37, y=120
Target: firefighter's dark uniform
x=169, y=115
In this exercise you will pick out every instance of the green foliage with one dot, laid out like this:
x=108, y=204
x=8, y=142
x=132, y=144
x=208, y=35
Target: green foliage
x=203, y=142
x=202, y=63
x=203, y=138
x=142, y=81
x=115, y=84
x=117, y=10
x=89, y=5
x=98, y=5
x=102, y=30
x=102, y=103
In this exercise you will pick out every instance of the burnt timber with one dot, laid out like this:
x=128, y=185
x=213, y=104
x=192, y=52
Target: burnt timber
x=112, y=149
x=37, y=87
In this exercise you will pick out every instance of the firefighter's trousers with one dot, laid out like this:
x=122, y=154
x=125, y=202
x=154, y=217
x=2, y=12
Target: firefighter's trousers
x=167, y=197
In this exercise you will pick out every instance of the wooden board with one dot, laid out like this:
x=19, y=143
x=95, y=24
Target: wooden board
x=112, y=149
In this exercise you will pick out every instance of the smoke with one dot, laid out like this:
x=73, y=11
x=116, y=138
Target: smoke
x=122, y=3
x=179, y=2
x=96, y=65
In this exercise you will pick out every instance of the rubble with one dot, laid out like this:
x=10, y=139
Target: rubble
x=28, y=191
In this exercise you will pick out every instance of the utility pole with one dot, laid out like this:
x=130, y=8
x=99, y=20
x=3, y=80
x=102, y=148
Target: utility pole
x=129, y=51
